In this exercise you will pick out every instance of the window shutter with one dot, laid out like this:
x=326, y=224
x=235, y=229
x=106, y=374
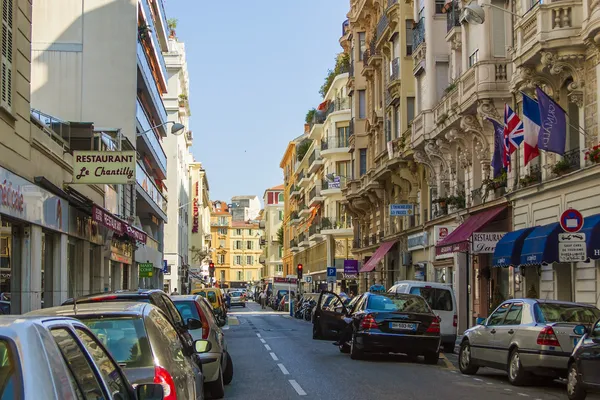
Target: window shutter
x=6, y=58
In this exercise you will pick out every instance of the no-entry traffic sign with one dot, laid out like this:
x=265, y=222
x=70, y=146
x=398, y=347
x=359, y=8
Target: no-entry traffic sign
x=571, y=220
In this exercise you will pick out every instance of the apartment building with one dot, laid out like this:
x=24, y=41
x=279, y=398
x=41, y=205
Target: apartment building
x=245, y=252
x=178, y=148
x=287, y=164
x=220, y=252
x=245, y=208
x=273, y=216
x=102, y=61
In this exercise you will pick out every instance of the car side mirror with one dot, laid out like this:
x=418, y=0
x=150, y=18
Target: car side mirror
x=193, y=323
x=150, y=391
x=202, y=346
x=580, y=330
x=480, y=321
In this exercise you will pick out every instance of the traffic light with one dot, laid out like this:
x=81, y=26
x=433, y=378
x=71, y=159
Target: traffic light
x=211, y=269
x=299, y=271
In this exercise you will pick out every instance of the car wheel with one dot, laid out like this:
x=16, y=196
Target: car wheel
x=344, y=348
x=449, y=348
x=355, y=353
x=228, y=374
x=517, y=375
x=432, y=358
x=465, y=364
x=217, y=388
x=575, y=391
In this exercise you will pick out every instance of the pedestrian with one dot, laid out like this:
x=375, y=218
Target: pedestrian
x=228, y=299
x=174, y=292
x=263, y=299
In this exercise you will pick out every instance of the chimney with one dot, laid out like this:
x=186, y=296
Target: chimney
x=306, y=128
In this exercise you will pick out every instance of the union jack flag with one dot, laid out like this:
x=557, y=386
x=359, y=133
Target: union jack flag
x=513, y=134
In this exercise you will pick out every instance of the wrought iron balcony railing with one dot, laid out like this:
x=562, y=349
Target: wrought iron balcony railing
x=419, y=33
x=381, y=25
x=335, y=142
x=452, y=16
x=395, y=69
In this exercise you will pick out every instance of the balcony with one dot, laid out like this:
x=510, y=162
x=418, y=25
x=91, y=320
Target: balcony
x=294, y=218
x=341, y=226
x=304, y=211
x=382, y=26
x=156, y=43
x=547, y=26
x=331, y=188
x=303, y=180
x=295, y=191
x=151, y=85
x=314, y=161
x=394, y=70
x=484, y=80
x=149, y=188
x=453, y=17
x=418, y=34
x=315, y=197
x=314, y=232
x=150, y=140
x=303, y=239
x=339, y=104
x=335, y=145
x=317, y=119
x=294, y=246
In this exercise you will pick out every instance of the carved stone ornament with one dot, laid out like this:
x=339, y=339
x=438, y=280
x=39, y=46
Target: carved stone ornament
x=455, y=136
x=456, y=43
x=564, y=65
x=465, y=158
x=433, y=151
x=469, y=123
x=526, y=79
x=482, y=152
x=421, y=157
x=487, y=109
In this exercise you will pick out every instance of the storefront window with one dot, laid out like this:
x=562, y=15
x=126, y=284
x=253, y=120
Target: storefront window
x=5, y=260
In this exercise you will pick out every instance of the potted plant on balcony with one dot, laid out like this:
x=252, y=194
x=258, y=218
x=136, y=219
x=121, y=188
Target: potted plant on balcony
x=527, y=180
x=561, y=167
x=172, y=24
x=182, y=99
x=593, y=155
x=325, y=223
x=494, y=184
x=143, y=31
x=441, y=201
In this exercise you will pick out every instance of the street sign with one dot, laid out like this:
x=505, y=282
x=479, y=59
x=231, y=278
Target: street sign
x=331, y=274
x=571, y=220
x=146, y=270
x=571, y=247
x=308, y=279
x=401, y=210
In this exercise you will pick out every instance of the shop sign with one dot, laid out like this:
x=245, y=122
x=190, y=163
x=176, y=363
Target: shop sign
x=113, y=223
x=146, y=270
x=135, y=233
x=440, y=232
x=104, y=167
x=195, y=212
x=572, y=247
x=485, y=242
x=335, y=184
x=417, y=241
x=24, y=200
x=292, y=281
x=121, y=251
x=350, y=267
x=83, y=226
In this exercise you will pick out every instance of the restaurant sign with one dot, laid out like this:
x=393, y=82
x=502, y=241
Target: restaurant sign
x=485, y=242
x=120, y=227
x=104, y=167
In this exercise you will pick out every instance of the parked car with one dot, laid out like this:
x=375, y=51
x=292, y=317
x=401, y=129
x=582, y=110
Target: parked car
x=60, y=358
x=237, y=299
x=381, y=323
x=143, y=341
x=442, y=301
x=216, y=364
x=526, y=337
x=584, y=364
x=216, y=298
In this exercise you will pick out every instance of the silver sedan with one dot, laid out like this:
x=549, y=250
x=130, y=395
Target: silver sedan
x=525, y=337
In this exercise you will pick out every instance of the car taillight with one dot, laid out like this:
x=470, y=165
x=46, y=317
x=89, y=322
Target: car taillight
x=205, y=326
x=368, y=322
x=455, y=322
x=547, y=337
x=434, y=327
x=162, y=377
x=102, y=298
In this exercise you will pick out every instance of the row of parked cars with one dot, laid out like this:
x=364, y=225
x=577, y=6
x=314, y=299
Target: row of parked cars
x=123, y=345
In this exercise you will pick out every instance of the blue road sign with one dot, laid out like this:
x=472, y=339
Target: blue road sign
x=401, y=210
x=331, y=274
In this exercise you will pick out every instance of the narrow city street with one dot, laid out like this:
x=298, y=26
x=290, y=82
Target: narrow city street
x=275, y=357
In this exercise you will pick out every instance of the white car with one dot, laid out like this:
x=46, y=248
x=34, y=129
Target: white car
x=237, y=299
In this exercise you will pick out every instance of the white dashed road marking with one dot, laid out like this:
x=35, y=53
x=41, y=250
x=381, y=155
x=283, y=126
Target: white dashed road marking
x=478, y=380
x=267, y=347
x=274, y=357
x=263, y=340
x=508, y=390
x=283, y=369
x=523, y=394
x=297, y=387
x=258, y=334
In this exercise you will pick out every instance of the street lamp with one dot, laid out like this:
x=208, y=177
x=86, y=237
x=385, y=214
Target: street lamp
x=473, y=13
x=177, y=128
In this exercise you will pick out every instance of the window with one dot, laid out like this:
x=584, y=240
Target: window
x=281, y=198
x=281, y=215
x=410, y=108
x=6, y=75
x=438, y=299
x=343, y=133
x=280, y=251
x=248, y=275
x=223, y=221
x=238, y=232
x=363, y=162
x=498, y=316
x=79, y=366
x=439, y=6
x=222, y=274
x=11, y=382
x=250, y=232
x=341, y=168
x=222, y=243
x=240, y=275
x=279, y=267
x=362, y=104
x=168, y=271
x=238, y=245
x=249, y=245
x=362, y=45
x=474, y=58
x=397, y=302
x=107, y=367
x=513, y=317
x=249, y=260
x=221, y=259
x=238, y=260
x=222, y=231
x=409, y=37
x=396, y=127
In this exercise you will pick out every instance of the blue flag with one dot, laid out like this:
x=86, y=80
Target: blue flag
x=498, y=147
x=553, y=124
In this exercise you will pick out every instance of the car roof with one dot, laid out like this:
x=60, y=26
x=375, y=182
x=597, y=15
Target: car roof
x=16, y=327
x=542, y=301
x=125, y=308
x=117, y=293
x=184, y=297
x=424, y=283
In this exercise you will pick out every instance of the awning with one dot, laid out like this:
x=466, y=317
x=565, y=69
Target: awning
x=508, y=249
x=591, y=229
x=458, y=240
x=377, y=256
x=541, y=245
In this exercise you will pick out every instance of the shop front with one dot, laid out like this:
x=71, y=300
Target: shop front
x=372, y=273
x=416, y=259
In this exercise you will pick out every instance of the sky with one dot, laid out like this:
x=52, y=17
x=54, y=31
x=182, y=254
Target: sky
x=255, y=69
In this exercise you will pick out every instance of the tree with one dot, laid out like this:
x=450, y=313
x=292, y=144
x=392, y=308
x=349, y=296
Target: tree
x=342, y=64
x=280, y=235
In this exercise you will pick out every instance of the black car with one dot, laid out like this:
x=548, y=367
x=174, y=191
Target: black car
x=584, y=363
x=157, y=298
x=380, y=323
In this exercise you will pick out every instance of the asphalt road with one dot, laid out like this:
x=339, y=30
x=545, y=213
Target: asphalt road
x=275, y=357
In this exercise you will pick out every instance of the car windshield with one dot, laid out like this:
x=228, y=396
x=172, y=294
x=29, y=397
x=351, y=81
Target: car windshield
x=571, y=313
x=397, y=302
x=236, y=294
x=125, y=338
x=187, y=309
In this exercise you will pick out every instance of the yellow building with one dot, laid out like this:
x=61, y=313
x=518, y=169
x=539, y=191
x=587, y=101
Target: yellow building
x=245, y=269
x=220, y=228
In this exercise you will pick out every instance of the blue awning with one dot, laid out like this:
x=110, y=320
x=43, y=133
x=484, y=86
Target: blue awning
x=541, y=245
x=591, y=228
x=508, y=249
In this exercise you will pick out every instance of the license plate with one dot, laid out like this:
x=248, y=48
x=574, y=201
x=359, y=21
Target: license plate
x=403, y=326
